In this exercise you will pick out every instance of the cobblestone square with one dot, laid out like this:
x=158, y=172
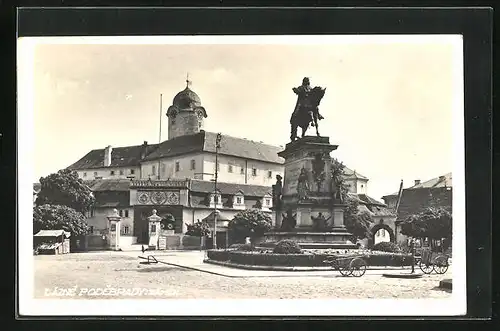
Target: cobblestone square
x=118, y=274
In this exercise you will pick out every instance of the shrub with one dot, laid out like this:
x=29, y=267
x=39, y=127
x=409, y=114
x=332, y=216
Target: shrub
x=375, y=259
x=218, y=255
x=387, y=247
x=287, y=247
x=245, y=248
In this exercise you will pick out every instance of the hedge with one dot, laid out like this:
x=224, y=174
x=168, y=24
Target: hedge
x=302, y=260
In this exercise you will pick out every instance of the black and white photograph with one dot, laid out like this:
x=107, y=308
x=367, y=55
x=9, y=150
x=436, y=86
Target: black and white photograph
x=242, y=175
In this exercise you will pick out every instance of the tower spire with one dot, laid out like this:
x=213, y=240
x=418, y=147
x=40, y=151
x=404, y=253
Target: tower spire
x=188, y=82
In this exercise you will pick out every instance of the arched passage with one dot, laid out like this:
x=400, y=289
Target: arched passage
x=378, y=227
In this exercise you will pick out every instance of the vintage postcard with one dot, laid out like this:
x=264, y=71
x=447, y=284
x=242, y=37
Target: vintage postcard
x=242, y=175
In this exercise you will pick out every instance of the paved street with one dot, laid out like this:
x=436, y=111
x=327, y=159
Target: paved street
x=113, y=275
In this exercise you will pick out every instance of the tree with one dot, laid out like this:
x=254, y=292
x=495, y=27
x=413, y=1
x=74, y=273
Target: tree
x=432, y=222
x=249, y=223
x=357, y=222
x=64, y=188
x=55, y=217
x=198, y=229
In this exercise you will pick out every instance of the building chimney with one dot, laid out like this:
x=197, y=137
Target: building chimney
x=144, y=149
x=107, y=156
x=417, y=181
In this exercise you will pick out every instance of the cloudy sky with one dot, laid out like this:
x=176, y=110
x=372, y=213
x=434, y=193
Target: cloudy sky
x=388, y=105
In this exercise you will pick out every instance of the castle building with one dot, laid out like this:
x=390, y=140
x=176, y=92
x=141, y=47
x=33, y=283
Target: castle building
x=176, y=177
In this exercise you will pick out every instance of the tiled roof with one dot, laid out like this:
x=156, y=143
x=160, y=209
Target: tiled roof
x=353, y=174
x=112, y=198
x=97, y=185
x=205, y=142
x=120, y=157
x=230, y=188
x=370, y=200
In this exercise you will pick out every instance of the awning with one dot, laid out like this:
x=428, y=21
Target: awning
x=52, y=233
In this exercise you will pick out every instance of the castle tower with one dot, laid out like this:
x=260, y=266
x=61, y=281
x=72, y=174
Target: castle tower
x=185, y=115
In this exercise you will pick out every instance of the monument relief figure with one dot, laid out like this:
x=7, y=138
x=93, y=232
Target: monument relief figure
x=303, y=185
x=318, y=170
x=320, y=222
x=306, y=110
x=289, y=222
x=277, y=191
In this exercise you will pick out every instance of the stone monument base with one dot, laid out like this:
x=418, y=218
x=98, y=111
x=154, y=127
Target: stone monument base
x=336, y=239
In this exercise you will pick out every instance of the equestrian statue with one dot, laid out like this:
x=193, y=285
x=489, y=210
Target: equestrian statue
x=306, y=110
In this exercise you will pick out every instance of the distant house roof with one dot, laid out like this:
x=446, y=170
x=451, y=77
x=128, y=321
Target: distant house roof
x=109, y=199
x=205, y=142
x=52, y=233
x=230, y=188
x=441, y=181
x=120, y=157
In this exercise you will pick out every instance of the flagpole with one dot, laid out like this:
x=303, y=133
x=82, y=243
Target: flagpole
x=159, y=138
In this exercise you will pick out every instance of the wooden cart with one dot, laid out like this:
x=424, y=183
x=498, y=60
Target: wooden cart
x=436, y=262
x=352, y=265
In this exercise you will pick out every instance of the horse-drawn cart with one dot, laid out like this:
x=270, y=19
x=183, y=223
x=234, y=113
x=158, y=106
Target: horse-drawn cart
x=430, y=262
x=351, y=265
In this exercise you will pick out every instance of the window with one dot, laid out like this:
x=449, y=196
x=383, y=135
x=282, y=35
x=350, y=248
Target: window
x=126, y=229
x=238, y=200
x=121, y=172
x=132, y=171
x=121, y=213
x=154, y=170
x=269, y=174
x=91, y=229
x=193, y=164
x=153, y=227
x=84, y=174
x=112, y=172
x=268, y=202
x=95, y=173
x=229, y=168
x=242, y=171
x=254, y=172
x=113, y=227
x=126, y=213
x=92, y=212
x=216, y=198
x=177, y=167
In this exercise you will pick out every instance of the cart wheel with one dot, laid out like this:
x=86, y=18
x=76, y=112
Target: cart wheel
x=440, y=268
x=345, y=270
x=358, y=267
x=426, y=268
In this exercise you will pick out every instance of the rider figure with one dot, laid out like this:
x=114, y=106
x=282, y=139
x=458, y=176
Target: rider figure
x=303, y=92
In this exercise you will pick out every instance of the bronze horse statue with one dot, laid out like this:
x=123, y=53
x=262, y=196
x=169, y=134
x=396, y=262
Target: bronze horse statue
x=306, y=112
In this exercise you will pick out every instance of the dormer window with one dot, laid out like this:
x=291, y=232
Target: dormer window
x=254, y=172
x=112, y=172
x=267, y=201
x=216, y=200
x=239, y=200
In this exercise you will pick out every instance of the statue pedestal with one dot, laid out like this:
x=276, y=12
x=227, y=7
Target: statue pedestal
x=309, y=196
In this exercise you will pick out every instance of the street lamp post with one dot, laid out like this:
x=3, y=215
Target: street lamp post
x=217, y=146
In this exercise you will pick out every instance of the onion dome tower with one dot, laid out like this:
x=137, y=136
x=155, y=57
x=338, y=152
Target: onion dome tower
x=185, y=115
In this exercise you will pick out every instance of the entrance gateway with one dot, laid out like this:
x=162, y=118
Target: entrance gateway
x=168, y=198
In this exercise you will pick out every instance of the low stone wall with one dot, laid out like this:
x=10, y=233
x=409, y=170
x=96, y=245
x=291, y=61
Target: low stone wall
x=180, y=242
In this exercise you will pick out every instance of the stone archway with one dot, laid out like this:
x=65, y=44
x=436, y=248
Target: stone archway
x=376, y=228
